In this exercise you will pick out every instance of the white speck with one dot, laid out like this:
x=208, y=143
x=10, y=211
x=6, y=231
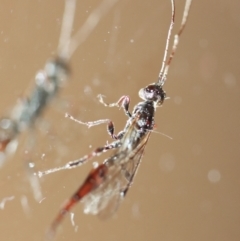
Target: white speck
x=95, y=164
x=72, y=219
x=42, y=200
x=230, y=80
x=43, y=155
x=167, y=162
x=90, y=146
x=177, y=100
x=131, y=40
x=214, y=176
x=31, y=164
x=40, y=174
x=72, y=222
x=3, y=202
x=40, y=78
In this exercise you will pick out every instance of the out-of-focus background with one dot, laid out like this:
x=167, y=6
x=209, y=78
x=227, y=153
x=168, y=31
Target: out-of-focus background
x=187, y=187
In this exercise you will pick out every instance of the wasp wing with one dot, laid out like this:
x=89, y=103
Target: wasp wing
x=122, y=167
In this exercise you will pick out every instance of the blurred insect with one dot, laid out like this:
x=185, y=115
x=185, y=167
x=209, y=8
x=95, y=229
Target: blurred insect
x=49, y=80
x=108, y=183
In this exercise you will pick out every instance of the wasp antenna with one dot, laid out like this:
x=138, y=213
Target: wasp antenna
x=167, y=44
x=176, y=41
x=66, y=29
x=90, y=24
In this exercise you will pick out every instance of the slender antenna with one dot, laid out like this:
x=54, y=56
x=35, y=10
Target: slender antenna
x=167, y=43
x=162, y=78
x=89, y=26
x=66, y=29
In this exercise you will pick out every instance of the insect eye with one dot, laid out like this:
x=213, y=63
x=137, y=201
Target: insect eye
x=147, y=90
x=151, y=93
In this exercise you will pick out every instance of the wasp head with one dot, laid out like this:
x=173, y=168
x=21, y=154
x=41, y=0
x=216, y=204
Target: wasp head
x=153, y=92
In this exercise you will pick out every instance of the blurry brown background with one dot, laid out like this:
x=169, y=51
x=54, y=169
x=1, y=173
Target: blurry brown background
x=187, y=188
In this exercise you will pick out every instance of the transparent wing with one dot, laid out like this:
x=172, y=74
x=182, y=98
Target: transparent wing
x=105, y=200
x=130, y=168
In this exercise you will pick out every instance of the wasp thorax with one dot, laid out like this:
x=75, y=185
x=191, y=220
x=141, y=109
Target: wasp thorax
x=154, y=93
